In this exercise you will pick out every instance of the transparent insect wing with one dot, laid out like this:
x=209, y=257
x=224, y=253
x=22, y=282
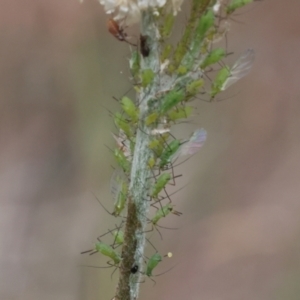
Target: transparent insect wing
x=195, y=143
x=116, y=182
x=240, y=69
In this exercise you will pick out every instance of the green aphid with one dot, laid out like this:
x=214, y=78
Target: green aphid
x=123, y=124
x=151, y=162
x=108, y=251
x=163, y=212
x=156, y=146
x=160, y=183
x=166, y=28
x=119, y=190
x=152, y=118
x=122, y=160
x=181, y=48
x=182, y=70
x=171, y=68
x=121, y=199
x=213, y=57
x=219, y=81
x=153, y=261
x=130, y=109
x=166, y=53
x=154, y=143
x=119, y=237
x=135, y=63
x=205, y=23
x=203, y=26
x=194, y=88
x=170, y=100
x=235, y=4
x=180, y=113
x=168, y=152
x=147, y=77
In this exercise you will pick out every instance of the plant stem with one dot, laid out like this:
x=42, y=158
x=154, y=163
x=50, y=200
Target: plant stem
x=138, y=202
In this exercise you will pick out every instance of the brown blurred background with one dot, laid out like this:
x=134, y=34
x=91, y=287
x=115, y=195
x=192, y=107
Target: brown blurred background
x=239, y=234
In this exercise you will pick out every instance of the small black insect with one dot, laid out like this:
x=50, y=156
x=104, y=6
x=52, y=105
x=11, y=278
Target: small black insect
x=134, y=269
x=144, y=45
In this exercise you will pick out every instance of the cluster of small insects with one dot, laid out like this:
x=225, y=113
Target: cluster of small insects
x=183, y=75
x=165, y=153
x=212, y=28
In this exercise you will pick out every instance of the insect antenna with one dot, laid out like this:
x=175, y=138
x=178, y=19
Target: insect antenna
x=102, y=205
x=87, y=251
x=97, y=267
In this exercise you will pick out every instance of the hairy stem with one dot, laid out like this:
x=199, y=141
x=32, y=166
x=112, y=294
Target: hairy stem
x=138, y=202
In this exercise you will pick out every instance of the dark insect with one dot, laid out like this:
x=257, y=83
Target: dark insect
x=117, y=31
x=144, y=45
x=134, y=269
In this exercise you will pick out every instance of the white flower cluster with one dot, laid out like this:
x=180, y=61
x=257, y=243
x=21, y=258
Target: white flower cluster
x=129, y=11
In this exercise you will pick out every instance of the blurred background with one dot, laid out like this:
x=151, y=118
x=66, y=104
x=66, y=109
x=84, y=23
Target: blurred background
x=239, y=235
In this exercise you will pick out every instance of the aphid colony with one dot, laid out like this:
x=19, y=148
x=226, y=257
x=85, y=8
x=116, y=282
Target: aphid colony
x=166, y=153
x=166, y=150
x=184, y=67
x=183, y=74
x=111, y=251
